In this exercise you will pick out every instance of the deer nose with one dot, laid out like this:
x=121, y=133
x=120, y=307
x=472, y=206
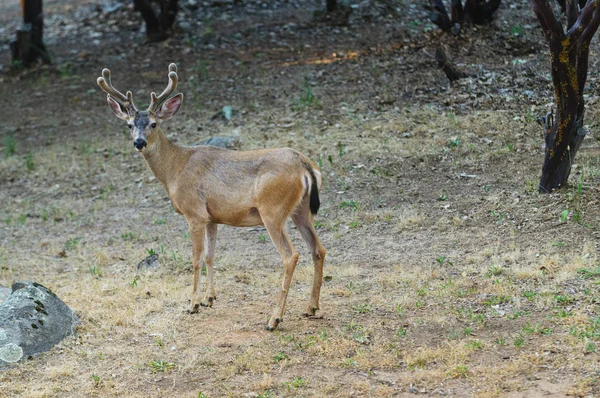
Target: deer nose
x=139, y=144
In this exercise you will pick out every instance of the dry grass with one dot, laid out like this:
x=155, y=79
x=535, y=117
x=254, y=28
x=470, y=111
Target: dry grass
x=446, y=272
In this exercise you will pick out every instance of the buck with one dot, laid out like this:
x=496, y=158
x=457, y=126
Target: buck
x=211, y=186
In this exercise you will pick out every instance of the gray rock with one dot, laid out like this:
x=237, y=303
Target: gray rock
x=4, y=293
x=150, y=263
x=222, y=142
x=32, y=320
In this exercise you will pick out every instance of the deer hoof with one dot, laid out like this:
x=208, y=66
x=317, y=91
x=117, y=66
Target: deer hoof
x=311, y=311
x=207, y=301
x=272, y=324
x=194, y=309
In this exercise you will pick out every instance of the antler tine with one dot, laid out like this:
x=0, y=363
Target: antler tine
x=106, y=85
x=156, y=101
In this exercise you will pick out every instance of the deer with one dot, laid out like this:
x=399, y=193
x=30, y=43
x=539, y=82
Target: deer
x=211, y=186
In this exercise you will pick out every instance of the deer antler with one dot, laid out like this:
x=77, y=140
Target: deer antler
x=106, y=85
x=155, y=101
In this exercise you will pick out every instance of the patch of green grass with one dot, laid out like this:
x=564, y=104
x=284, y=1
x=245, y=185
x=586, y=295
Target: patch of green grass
x=280, y=356
x=127, y=236
x=494, y=270
x=589, y=273
x=160, y=366
x=529, y=295
x=358, y=332
x=71, y=243
x=95, y=271
x=591, y=330
x=96, y=380
x=29, y=162
x=362, y=308
x=496, y=300
x=519, y=341
x=295, y=383
x=350, y=204
x=262, y=238
x=10, y=145
x=475, y=344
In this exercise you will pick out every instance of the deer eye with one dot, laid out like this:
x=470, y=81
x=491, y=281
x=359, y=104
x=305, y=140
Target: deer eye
x=130, y=126
x=153, y=125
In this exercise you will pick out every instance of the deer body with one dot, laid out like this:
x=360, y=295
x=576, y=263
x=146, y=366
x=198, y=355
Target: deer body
x=211, y=186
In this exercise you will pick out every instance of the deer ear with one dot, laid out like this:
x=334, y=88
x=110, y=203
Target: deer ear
x=117, y=109
x=170, y=107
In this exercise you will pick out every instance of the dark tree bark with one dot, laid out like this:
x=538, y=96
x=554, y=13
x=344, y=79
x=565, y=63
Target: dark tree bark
x=29, y=45
x=563, y=4
x=157, y=24
x=480, y=12
x=569, y=54
x=331, y=5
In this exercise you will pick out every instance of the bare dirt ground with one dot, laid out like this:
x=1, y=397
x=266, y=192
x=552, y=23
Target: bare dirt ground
x=447, y=273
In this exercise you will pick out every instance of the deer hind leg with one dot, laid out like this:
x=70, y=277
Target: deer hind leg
x=197, y=231
x=289, y=256
x=303, y=220
x=210, y=243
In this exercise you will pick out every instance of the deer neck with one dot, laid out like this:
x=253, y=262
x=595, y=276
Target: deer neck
x=165, y=159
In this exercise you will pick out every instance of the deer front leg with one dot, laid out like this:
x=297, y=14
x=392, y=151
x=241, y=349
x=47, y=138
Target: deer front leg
x=289, y=256
x=197, y=231
x=211, y=240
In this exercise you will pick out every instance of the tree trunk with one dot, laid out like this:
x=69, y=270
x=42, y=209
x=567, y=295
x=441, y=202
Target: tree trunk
x=569, y=54
x=331, y=5
x=29, y=45
x=479, y=12
x=157, y=26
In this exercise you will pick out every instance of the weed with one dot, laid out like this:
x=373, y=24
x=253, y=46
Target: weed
x=440, y=260
x=519, y=341
x=350, y=204
x=442, y=197
x=295, y=383
x=95, y=271
x=322, y=334
x=96, y=380
x=354, y=224
x=262, y=238
x=399, y=310
x=402, y=331
x=517, y=30
x=266, y=394
x=468, y=331
x=453, y=143
x=280, y=356
x=459, y=371
x=589, y=273
x=71, y=243
x=348, y=363
x=494, y=270
x=307, y=98
x=563, y=300
x=496, y=300
x=362, y=308
x=501, y=341
x=359, y=333
x=563, y=215
x=529, y=295
x=127, y=236
x=590, y=331
x=151, y=252
x=134, y=282
x=160, y=366
x=29, y=162
x=10, y=145
x=590, y=347
x=160, y=221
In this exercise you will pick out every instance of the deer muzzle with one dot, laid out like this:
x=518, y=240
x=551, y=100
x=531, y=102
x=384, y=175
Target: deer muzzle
x=139, y=144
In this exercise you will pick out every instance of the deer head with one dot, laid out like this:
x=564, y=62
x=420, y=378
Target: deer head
x=142, y=124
